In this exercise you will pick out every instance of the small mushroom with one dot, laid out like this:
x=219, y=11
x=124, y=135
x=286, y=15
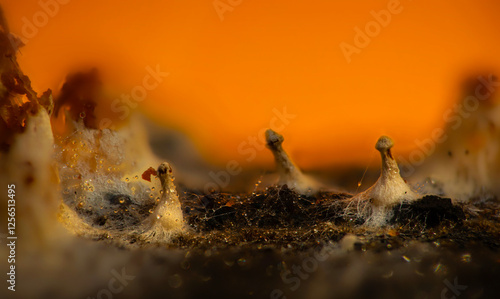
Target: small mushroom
x=167, y=216
x=289, y=173
x=390, y=187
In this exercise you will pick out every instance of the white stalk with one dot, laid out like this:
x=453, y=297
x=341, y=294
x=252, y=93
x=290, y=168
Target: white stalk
x=289, y=173
x=390, y=188
x=167, y=218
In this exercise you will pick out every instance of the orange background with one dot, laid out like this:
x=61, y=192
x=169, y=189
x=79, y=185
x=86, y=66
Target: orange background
x=227, y=76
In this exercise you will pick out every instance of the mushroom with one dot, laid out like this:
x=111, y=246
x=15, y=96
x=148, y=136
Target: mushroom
x=375, y=204
x=166, y=218
x=390, y=187
x=289, y=173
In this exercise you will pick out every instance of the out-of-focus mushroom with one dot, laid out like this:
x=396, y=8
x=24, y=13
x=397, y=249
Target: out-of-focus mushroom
x=289, y=173
x=464, y=160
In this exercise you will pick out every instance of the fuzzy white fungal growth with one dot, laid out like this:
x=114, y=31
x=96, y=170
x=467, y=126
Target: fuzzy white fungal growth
x=464, y=163
x=28, y=166
x=102, y=173
x=390, y=187
x=166, y=219
x=289, y=173
x=94, y=164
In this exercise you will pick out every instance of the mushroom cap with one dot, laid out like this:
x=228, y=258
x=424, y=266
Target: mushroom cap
x=384, y=143
x=273, y=139
x=164, y=169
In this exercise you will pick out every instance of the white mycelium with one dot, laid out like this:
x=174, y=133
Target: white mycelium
x=464, y=162
x=101, y=175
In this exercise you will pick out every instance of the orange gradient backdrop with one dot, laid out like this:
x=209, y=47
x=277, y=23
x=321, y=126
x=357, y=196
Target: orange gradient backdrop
x=226, y=76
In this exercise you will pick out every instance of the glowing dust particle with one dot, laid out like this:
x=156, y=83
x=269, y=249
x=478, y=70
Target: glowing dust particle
x=466, y=258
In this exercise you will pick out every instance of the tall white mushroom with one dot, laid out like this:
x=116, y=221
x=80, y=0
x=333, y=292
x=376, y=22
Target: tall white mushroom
x=289, y=173
x=390, y=188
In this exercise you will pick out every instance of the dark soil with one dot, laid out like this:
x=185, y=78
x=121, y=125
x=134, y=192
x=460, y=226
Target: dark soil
x=429, y=211
x=280, y=217
x=251, y=245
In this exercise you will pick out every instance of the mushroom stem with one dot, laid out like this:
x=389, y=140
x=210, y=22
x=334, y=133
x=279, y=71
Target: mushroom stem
x=166, y=179
x=390, y=188
x=169, y=202
x=284, y=164
x=390, y=168
x=167, y=218
x=290, y=174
